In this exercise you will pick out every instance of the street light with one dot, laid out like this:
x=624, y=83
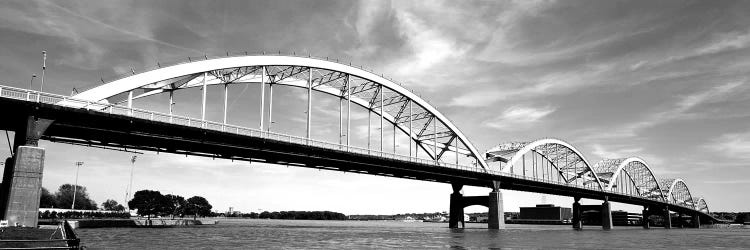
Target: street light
x=32, y=81
x=44, y=67
x=75, y=188
x=130, y=186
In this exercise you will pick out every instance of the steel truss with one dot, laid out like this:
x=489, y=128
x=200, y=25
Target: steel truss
x=548, y=159
x=403, y=110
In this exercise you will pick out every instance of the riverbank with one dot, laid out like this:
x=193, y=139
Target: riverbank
x=137, y=222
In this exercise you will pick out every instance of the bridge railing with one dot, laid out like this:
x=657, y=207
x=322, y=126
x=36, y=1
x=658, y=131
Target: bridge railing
x=60, y=100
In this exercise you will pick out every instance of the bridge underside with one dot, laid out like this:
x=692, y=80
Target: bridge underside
x=91, y=128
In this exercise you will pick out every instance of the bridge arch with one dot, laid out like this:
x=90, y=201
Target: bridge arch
x=701, y=205
x=569, y=161
x=677, y=192
x=427, y=127
x=636, y=170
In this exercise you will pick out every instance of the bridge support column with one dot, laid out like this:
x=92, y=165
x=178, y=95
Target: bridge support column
x=22, y=177
x=606, y=215
x=645, y=220
x=577, y=213
x=696, y=220
x=24, y=185
x=496, y=215
x=667, y=218
x=456, y=212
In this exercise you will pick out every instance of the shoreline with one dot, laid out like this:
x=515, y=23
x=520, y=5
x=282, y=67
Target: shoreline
x=139, y=222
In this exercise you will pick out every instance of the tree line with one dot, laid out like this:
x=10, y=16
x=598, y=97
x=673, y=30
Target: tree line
x=153, y=203
x=293, y=215
x=63, y=198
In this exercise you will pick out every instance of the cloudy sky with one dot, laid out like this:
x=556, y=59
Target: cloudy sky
x=665, y=80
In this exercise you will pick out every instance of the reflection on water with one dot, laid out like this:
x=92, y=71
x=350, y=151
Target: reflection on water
x=243, y=234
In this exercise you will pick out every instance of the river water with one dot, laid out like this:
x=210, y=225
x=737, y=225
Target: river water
x=285, y=234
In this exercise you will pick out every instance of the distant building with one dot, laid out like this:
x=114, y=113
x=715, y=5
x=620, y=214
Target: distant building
x=619, y=218
x=545, y=213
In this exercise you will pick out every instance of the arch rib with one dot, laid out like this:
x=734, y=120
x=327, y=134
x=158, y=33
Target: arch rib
x=100, y=93
x=518, y=149
x=617, y=166
x=672, y=183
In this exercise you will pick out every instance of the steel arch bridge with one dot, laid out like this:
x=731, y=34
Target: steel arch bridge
x=559, y=159
x=105, y=116
x=421, y=122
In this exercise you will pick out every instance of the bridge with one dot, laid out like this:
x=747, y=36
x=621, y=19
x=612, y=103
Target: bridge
x=104, y=116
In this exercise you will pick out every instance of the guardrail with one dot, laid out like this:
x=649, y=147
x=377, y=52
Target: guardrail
x=60, y=100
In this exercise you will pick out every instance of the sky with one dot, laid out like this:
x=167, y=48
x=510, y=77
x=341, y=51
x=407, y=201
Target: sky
x=666, y=81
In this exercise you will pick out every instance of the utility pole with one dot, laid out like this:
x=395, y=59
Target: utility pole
x=31, y=84
x=75, y=188
x=44, y=67
x=130, y=186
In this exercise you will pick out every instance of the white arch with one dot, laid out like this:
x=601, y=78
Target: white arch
x=700, y=204
x=532, y=145
x=673, y=183
x=123, y=85
x=624, y=163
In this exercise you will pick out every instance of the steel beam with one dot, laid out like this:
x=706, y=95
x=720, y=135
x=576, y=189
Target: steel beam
x=309, y=103
x=203, y=98
x=262, y=96
x=348, y=111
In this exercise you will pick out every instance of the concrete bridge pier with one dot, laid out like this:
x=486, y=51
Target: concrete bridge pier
x=667, y=218
x=494, y=201
x=496, y=215
x=606, y=214
x=696, y=220
x=577, y=213
x=22, y=177
x=645, y=219
x=456, y=212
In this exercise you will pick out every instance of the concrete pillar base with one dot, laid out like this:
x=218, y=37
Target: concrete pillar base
x=606, y=216
x=456, y=212
x=667, y=219
x=496, y=216
x=24, y=187
x=577, y=214
x=696, y=221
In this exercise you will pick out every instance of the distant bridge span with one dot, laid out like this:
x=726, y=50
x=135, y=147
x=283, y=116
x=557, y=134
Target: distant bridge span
x=104, y=116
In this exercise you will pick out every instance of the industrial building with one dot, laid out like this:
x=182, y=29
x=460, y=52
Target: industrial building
x=544, y=214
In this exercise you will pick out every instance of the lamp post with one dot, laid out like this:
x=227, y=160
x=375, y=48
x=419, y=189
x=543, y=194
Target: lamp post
x=130, y=186
x=75, y=188
x=32, y=81
x=44, y=67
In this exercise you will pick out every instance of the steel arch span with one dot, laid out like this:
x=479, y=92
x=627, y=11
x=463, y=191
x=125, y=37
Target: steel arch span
x=570, y=163
x=701, y=205
x=424, y=124
x=635, y=171
x=676, y=192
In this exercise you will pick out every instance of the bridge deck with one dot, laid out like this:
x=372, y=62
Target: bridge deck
x=141, y=131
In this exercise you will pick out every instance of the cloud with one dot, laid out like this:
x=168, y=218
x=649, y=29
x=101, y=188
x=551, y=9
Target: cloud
x=727, y=41
x=746, y=181
x=428, y=45
x=369, y=15
x=713, y=94
x=608, y=153
x=477, y=98
x=518, y=117
x=732, y=145
x=680, y=110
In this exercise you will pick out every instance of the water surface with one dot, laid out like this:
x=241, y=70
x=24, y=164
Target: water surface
x=277, y=234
